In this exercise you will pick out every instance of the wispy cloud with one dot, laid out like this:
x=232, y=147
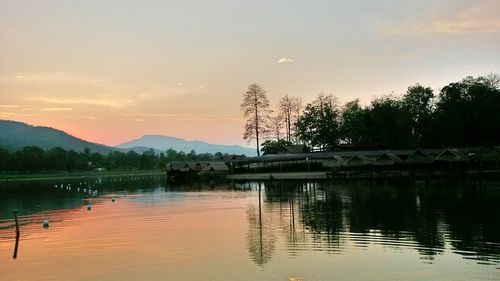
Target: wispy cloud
x=285, y=60
x=479, y=17
x=57, y=109
x=9, y=106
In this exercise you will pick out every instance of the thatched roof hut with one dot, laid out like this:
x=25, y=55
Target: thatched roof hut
x=450, y=155
x=489, y=153
x=197, y=166
x=178, y=166
x=387, y=159
x=215, y=168
x=357, y=161
x=419, y=158
x=335, y=162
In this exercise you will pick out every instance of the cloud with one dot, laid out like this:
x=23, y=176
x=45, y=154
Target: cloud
x=57, y=109
x=9, y=106
x=285, y=60
x=479, y=17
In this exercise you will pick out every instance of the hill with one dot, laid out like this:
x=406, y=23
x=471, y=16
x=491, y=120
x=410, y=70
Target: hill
x=163, y=143
x=16, y=135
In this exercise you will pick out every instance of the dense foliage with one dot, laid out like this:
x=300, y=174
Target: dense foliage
x=465, y=113
x=34, y=159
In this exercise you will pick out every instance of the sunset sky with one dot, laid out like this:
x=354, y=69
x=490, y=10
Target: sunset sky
x=111, y=71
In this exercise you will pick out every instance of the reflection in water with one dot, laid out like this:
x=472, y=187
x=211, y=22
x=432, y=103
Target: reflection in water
x=262, y=231
x=427, y=218
x=261, y=238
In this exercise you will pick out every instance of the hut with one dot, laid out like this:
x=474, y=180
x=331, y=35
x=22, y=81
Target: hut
x=197, y=166
x=178, y=170
x=450, y=155
x=178, y=166
x=357, y=161
x=387, y=159
x=215, y=169
x=418, y=158
x=335, y=162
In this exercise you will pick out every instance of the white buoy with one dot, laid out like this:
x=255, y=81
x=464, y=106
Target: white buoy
x=113, y=199
x=45, y=223
x=89, y=207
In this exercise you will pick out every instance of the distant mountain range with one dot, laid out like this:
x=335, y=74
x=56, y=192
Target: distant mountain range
x=16, y=135
x=163, y=143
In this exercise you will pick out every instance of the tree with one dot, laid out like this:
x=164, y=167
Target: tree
x=389, y=124
x=468, y=113
x=289, y=110
x=275, y=126
x=319, y=124
x=255, y=107
x=418, y=102
x=274, y=147
x=353, y=124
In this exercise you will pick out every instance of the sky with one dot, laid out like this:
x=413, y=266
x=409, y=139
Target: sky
x=112, y=71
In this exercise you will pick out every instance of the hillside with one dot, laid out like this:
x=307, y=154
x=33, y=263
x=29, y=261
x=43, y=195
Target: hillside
x=163, y=143
x=16, y=135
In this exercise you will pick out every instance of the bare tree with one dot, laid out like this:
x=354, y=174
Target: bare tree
x=255, y=107
x=286, y=108
x=275, y=127
x=297, y=109
x=290, y=111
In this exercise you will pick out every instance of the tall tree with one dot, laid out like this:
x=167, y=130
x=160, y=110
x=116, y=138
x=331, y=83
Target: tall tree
x=354, y=124
x=418, y=102
x=289, y=109
x=255, y=107
x=275, y=126
x=319, y=125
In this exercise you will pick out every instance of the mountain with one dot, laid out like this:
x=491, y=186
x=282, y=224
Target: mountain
x=163, y=143
x=16, y=135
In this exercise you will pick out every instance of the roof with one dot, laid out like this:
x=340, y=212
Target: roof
x=419, y=157
x=387, y=159
x=177, y=166
x=357, y=161
x=449, y=155
x=217, y=167
x=335, y=162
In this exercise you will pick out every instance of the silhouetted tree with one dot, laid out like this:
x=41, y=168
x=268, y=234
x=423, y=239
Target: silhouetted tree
x=319, y=124
x=255, y=108
x=418, y=102
x=353, y=125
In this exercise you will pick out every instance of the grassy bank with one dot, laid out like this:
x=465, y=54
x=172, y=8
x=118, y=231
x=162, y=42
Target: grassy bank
x=75, y=175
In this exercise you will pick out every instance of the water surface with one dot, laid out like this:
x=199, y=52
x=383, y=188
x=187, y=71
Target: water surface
x=281, y=230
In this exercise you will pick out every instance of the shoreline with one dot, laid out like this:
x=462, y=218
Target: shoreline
x=12, y=177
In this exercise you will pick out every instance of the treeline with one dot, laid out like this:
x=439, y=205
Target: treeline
x=464, y=113
x=35, y=159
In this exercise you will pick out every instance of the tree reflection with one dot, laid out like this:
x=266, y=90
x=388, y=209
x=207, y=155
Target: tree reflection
x=261, y=237
x=427, y=217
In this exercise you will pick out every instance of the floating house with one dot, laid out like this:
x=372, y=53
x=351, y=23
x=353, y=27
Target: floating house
x=419, y=158
x=215, y=169
x=387, y=159
x=357, y=161
x=450, y=155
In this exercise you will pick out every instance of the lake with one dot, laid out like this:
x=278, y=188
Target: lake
x=141, y=228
